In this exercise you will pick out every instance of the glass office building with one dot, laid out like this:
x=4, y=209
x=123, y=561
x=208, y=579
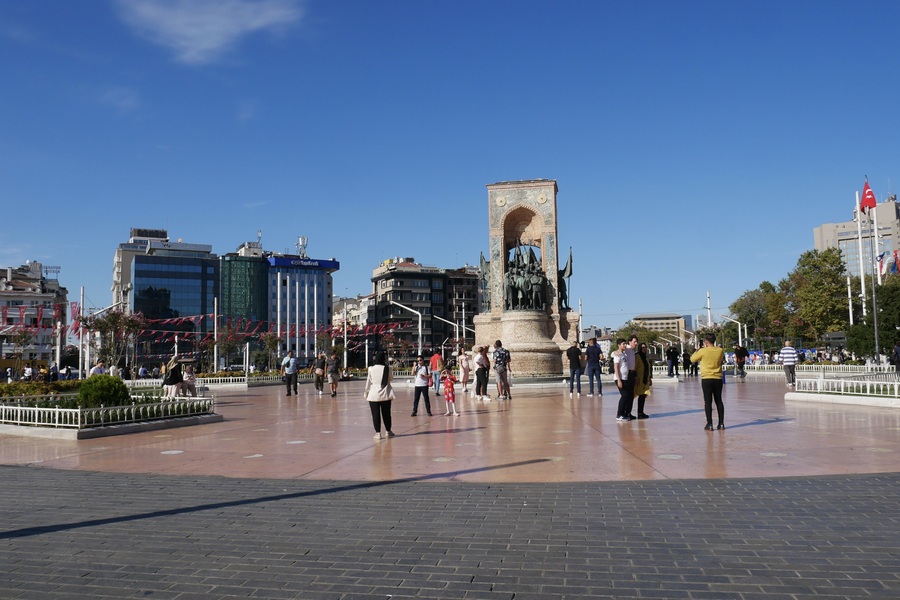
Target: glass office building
x=244, y=287
x=174, y=285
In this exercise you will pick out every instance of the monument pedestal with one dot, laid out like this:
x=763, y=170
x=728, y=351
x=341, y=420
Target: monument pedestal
x=536, y=341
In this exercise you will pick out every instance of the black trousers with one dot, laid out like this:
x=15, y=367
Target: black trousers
x=626, y=395
x=481, y=382
x=420, y=391
x=712, y=391
x=381, y=411
x=290, y=379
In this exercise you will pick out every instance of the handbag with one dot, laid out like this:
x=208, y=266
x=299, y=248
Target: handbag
x=320, y=372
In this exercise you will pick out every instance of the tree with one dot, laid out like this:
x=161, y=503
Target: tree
x=271, y=343
x=644, y=334
x=20, y=339
x=817, y=293
x=861, y=336
x=118, y=331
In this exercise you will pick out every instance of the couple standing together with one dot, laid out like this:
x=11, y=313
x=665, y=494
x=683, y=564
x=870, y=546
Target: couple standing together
x=634, y=377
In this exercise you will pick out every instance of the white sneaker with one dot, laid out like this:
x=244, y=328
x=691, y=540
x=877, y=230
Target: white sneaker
x=378, y=436
x=447, y=413
x=455, y=414
x=487, y=398
x=590, y=395
x=570, y=394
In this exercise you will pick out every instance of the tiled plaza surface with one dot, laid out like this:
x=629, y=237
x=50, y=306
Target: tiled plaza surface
x=541, y=497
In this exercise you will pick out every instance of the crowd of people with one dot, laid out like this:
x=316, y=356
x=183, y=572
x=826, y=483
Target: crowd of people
x=35, y=372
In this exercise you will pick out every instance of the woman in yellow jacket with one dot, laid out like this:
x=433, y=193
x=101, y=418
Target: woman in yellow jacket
x=711, y=358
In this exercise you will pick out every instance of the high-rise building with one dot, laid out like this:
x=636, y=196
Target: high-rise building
x=32, y=302
x=173, y=284
x=846, y=236
x=137, y=244
x=444, y=300
x=244, y=286
x=300, y=300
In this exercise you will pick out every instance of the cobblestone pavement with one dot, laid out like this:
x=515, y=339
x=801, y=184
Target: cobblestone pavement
x=71, y=534
x=802, y=504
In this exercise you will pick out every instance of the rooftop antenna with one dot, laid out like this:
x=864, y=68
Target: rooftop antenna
x=258, y=235
x=301, y=244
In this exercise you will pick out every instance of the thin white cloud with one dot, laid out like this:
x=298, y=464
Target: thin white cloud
x=120, y=98
x=199, y=32
x=246, y=110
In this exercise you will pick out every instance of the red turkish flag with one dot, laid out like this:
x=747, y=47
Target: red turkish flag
x=868, y=198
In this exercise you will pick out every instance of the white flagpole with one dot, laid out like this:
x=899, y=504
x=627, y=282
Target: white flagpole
x=278, y=313
x=306, y=316
x=861, y=262
x=877, y=249
x=287, y=315
x=215, y=334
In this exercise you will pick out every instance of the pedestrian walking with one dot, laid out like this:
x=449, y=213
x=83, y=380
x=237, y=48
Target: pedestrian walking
x=711, y=358
x=289, y=372
x=502, y=370
x=464, y=368
x=482, y=367
x=437, y=365
x=594, y=355
x=573, y=353
x=380, y=393
x=789, y=358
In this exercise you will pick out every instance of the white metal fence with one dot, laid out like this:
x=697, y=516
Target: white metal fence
x=15, y=411
x=879, y=387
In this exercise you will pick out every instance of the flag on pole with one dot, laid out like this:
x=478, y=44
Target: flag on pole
x=868, y=198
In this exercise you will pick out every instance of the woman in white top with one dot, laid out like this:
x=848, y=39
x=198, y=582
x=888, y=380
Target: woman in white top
x=482, y=364
x=380, y=393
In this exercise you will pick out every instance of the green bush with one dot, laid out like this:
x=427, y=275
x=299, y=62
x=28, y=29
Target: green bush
x=38, y=388
x=104, y=390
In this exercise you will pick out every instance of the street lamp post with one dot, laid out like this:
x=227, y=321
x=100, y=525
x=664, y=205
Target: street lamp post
x=85, y=358
x=404, y=307
x=455, y=326
x=740, y=339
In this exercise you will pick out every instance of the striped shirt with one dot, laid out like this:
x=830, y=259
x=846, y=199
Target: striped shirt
x=788, y=356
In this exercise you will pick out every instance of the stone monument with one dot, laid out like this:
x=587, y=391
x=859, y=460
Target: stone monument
x=526, y=303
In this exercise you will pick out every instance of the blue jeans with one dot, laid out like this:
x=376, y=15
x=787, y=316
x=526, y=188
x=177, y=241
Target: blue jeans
x=574, y=377
x=594, y=371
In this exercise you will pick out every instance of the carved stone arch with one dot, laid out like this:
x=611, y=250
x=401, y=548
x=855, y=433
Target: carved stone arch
x=523, y=225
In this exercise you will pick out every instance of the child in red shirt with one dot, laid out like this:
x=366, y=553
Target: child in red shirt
x=449, y=392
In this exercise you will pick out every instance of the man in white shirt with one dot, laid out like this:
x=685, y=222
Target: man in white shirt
x=98, y=369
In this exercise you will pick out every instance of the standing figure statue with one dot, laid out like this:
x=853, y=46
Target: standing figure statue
x=537, y=290
x=486, y=278
x=562, y=276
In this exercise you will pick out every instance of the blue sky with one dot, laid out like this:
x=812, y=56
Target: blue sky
x=695, y=144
